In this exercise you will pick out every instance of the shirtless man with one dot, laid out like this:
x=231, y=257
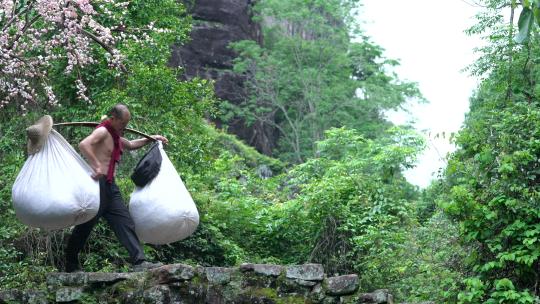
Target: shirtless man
x=102, y=149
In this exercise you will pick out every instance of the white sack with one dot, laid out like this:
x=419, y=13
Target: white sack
x=54, y=188
x=163, y=210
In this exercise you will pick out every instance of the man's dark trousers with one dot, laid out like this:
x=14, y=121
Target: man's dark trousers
x=113, y=209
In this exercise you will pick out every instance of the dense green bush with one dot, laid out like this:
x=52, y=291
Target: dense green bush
x=492, y=179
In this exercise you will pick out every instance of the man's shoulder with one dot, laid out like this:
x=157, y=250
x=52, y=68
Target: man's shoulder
x=100, y=132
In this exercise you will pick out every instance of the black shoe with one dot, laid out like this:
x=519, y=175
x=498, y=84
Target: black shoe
x=144, y=265
x=73, y=267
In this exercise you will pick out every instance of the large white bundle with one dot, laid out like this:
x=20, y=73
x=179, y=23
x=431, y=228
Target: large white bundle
x=54, y=189
x=163, y=210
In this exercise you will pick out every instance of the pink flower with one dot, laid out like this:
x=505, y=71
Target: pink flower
x=67, y=31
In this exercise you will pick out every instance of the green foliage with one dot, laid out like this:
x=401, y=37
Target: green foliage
x=350, y=209
x=529, y=14
x=525, y=23
x=309, y=77
x=342, y=200
x=432, y=266
x=492, y=178
x=493, y=193
x=356, y=199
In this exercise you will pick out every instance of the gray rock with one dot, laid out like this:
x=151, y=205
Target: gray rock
x=246, y=267
x=342, y=285
x=56, y=279
x=379, y=296
x=184, y=284
x=317, y=293
x=158, y=294
x=34, y=297
x=173, y=272
x=222, y=11
x=308, y=272
x=217, y=23
x=296, y=286
x=68, y=294
x=263, y=269
x=330, y=300
x=25, y=296
x=208, y=55
x=131, y=296
x=110, y=278
x=268, y=269
x=264, y=172
x=218, y=275
x=305, y=283
x=216, y=296
x=10, y=295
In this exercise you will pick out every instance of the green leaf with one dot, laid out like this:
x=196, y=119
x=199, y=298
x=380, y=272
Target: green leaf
x=524, y=24
x=536, y=11
x=504, y=284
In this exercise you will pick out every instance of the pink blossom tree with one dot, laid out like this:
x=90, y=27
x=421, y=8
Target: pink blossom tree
x=35, y=34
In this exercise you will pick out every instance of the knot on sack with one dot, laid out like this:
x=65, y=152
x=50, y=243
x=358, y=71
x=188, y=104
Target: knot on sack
x=38, y=134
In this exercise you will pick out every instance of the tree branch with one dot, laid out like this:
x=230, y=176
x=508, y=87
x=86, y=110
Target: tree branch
x=26, y=27
x=6, y=26
x=103, y=45
x=510, y=49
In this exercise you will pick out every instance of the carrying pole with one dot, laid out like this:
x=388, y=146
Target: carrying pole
x=95, y=124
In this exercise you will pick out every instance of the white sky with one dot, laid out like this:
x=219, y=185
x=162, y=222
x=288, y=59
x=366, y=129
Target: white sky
x=428, y=38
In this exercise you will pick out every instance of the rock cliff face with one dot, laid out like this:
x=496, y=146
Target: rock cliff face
x=178, y=283
x=217, y=23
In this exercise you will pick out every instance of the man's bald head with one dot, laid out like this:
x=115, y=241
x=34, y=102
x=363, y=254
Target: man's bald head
x=120, y=117
x=120, y=111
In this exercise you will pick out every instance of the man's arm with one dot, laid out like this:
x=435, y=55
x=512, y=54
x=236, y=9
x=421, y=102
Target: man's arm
x=138, y=143
x=88, y=150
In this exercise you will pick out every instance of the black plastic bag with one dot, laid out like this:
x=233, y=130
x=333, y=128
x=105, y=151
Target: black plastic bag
x=148, y=167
